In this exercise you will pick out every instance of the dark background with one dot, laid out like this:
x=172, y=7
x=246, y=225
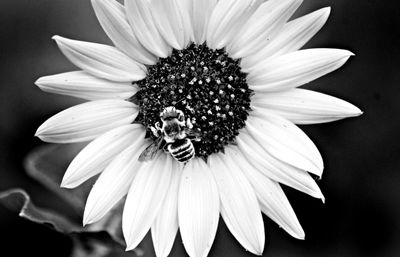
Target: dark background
x=361, y=182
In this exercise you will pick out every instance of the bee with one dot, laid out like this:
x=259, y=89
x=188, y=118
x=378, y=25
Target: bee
x=175, y=136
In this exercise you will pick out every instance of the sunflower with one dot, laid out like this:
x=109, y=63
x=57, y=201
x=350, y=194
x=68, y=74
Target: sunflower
x=230, y=69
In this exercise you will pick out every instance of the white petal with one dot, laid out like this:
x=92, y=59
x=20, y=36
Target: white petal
x=145, y=198
x=262, y=27
x=111, y=16
x=100, y=152
x=272, y=199
x=83, y=85
x=239, y=206
x=303, y=106
x=285, y=141
x=294, y=35
x=102, y=61
x=142, y=22
x=198, y=208
x=114, y=182
x=295, y=69
x=185, y=7
x=227, y=19
x=165, y=226
x=87, y=121
x=173, y=22
x=200, y=13
x=276, y=169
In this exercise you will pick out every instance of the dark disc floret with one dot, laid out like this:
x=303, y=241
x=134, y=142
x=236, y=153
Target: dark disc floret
x=206, y=85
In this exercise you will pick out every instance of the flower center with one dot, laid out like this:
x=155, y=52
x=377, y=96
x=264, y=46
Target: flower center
x=207, y=86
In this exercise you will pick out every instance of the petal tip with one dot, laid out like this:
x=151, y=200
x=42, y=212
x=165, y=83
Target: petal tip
x=261, y=245
x=44, y=138
x=326, y=10
x=319, y=195
x=342, y=53
x=57, y=38
x=357, y=112
x=354, y=111
x=317, y=169
x=301, y=237
x=65, y=183
x=85, y=222
x=70, y=180
x=298, y=232
x=129, y=248
x=60, y=41
x=88, y=217
x=349, y=53
x=258, y=252
x=39, y=82
x=40, y=132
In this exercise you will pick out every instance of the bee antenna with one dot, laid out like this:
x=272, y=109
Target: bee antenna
x=180, y=100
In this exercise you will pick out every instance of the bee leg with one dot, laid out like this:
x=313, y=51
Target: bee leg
x=165, y=148
x=181, y=116
x=181, y=119
x=196, y=139
x=189, y=123
x=158, y=126
x=155, y=131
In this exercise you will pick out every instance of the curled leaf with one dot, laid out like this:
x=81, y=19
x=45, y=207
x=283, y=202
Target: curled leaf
x=19, y=201
x=47, y=165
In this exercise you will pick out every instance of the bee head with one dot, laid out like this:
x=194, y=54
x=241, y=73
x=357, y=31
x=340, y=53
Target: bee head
x=172, y=128
x=171, y=113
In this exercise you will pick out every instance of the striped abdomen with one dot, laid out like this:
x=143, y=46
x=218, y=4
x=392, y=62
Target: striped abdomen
x=182, y=150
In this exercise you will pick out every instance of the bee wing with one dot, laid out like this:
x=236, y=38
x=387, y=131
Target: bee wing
x=150, y=152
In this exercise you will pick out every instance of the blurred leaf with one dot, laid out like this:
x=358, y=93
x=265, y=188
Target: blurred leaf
x=19, y=201
x=47, y=165
x=85, y=246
